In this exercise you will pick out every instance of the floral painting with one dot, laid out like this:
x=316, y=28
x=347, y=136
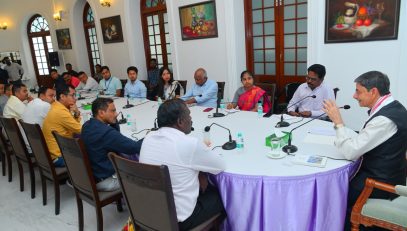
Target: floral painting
x=363, y=20
x=198, y=21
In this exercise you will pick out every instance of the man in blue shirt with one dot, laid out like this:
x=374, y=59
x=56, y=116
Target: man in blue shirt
x=134, y=88
x=203, y=92
x=153, y=76
x=109, y=85
x=101, y=135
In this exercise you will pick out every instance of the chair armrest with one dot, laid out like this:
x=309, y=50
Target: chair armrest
x=368, y=189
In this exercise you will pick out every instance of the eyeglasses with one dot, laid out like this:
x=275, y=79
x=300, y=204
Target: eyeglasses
x=311, y=79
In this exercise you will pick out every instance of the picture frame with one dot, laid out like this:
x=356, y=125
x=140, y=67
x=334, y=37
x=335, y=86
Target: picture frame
x=64, y=39
x=198, y=21
x=361, y=20
x=112, y=29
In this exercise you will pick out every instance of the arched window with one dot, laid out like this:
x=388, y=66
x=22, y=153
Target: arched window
x=41, y=44
x=155, y=32
x=91, y=39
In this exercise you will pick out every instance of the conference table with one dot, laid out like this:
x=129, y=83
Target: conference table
x=258, y=192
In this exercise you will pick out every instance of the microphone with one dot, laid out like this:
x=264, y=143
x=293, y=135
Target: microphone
x=122, y=120
x=231, y=144
x=155, y=125
x=283, y=123
x=128, y=105
x=289, y=148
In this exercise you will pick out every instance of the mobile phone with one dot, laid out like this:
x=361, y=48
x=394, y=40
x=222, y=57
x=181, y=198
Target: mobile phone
x=208, y=109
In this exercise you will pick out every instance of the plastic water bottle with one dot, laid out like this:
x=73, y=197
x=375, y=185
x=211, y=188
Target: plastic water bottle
x=240, y=142
x=260, y=109
x=131, y=123
x=222, y=106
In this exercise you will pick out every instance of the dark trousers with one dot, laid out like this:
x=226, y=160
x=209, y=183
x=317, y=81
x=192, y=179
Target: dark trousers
x=208, y=204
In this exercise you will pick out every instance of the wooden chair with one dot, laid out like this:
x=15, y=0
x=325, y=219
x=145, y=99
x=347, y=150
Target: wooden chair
x=45, y=165
x=270, y=89
x=145, y=81
x=80, y=172
x=183, y=84
x=289, y=90
x=123, y=81
x=6, y=155
x=20, y=150
x=221, y=89
x=388, y=214
x=148, y=193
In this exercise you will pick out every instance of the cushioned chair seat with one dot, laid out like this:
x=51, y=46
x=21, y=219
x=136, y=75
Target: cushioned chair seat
x=105, y=195
x=394, y=211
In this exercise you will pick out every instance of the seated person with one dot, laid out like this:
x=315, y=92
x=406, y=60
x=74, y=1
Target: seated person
x=37, y=109
x=87, y=83
x=101, y=135
x=110, y=85
x=64, y=118
x=70, y=80
x=59, y=81
x=15, y=105
x=134, y=88
x=68, y=67
x=167, y=88
x=248, y=96
x=204, y=92
x=311, y=107
x=185, y=157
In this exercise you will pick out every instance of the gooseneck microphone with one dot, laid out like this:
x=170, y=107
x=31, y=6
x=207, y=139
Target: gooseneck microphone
x=283, y=123
x=289, y=148
x=122, y=120
x=231, y=144
x=128, y=105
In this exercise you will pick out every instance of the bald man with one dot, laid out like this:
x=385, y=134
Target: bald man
x=203, y=92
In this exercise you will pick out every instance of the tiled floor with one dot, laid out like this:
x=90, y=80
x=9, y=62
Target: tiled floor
x=19, y=212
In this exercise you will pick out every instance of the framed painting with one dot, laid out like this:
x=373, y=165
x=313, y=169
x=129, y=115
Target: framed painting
x=198, y=21
x=64, y=39
x=112, y=29
x=361, y=20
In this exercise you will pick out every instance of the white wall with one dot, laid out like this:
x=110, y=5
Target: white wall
x=346, y=61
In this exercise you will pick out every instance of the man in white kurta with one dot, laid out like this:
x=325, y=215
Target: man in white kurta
x=15, y=105
x=185, y=157
x=37, y=110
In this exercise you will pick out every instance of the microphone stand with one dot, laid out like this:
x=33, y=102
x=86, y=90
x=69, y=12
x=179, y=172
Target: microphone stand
x=218, y=114
x=122, y=120
x=289, y=148
x=283, y=123
x=128, y=105
x=231, y=144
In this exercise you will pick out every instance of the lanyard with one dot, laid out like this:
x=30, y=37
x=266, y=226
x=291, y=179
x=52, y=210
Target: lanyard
x=110, y=80
x=379, y=102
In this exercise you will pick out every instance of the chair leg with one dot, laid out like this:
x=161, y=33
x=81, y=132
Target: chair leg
x=10, y=169
x=57, y=196
x=44, y=189
x=99, y=217
x=80, y=211
x=21, y=174
x=32, y=179
x=355, y=227
x=119, y=205
x=3, y=163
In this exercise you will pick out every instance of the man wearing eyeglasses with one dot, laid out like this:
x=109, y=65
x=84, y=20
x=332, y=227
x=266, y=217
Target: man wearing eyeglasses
x=64, y=118
x=314, y=85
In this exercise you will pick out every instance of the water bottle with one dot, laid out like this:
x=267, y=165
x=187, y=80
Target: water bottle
x=260, y=109
x=240, y=142
x=131, y=123
x=222, y=106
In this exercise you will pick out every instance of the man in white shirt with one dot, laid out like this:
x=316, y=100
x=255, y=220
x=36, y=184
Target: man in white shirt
x=37, y=110
x=185, y=157
x=315, y=85
x=15, y=105
x=87, y=83
x=381, y=143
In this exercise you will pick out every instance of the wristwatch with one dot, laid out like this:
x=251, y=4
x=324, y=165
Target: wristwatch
x=336, y=126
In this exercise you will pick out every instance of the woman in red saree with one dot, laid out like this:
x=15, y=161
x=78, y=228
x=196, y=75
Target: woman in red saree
x=248, y=96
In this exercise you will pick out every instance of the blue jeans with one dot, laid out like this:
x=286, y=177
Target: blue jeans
x=59, y=162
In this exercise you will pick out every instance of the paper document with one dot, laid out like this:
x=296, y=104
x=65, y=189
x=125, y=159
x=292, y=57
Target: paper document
x=326, y=131
x=319, y=139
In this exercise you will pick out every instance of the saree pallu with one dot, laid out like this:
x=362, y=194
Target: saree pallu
x=248, y=100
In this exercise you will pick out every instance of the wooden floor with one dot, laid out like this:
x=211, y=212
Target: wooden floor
x=19, y=212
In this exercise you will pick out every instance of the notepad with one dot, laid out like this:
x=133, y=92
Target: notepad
x=310, y=160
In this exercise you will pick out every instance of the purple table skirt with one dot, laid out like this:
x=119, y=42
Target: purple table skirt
x=311, y=202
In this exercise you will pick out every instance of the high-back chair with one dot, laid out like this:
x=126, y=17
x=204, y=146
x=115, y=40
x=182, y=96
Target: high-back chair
x=20, y=150
x=6, y=156
x=80, y=172
x=148, y=193
x=45, y=165
x=221, y=89
x=183, y=84
x=388, y=214
x=270, y=89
